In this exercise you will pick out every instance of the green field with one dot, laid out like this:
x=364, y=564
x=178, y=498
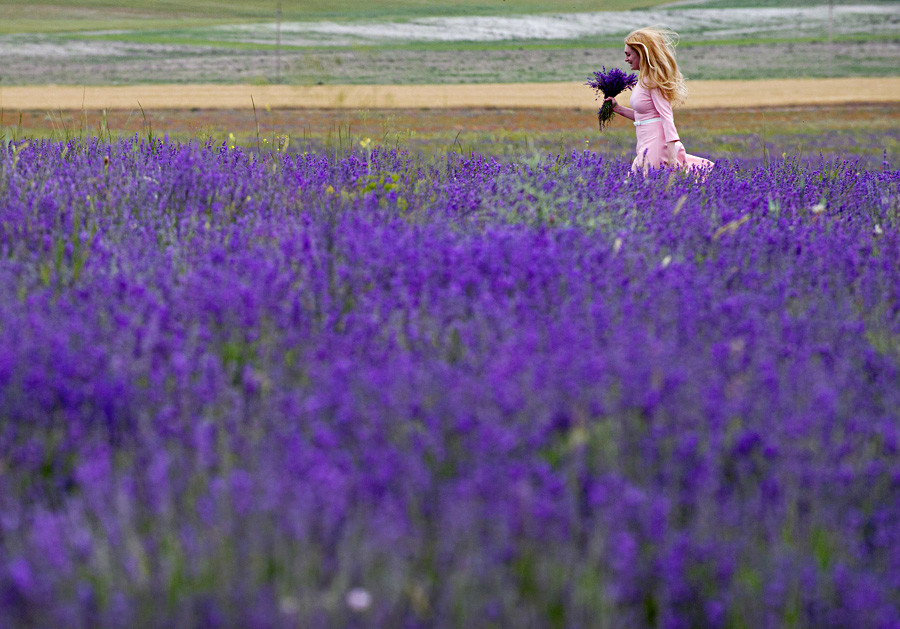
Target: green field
x=758, y=4
x=92, y=42
x=56, y=16
x=59, y=16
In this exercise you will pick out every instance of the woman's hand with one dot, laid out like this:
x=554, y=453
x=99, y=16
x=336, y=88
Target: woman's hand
x=623, y=111
x=675, y=153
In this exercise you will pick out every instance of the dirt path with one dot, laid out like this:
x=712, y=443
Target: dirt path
x=703, y=95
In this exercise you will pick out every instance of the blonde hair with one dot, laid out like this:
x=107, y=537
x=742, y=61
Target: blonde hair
x=656, y=49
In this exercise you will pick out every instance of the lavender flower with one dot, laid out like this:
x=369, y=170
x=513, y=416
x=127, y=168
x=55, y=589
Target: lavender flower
x=286, y=390
x=609, y=84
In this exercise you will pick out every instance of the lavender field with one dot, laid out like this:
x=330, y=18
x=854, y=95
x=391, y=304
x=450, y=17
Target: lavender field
x=368, y=389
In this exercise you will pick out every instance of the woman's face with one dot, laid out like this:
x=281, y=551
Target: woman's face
x=632, y=58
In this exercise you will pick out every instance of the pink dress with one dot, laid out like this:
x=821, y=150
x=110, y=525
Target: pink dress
x=655, y=126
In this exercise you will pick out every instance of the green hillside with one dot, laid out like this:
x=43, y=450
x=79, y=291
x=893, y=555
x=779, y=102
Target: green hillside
x=52, y=16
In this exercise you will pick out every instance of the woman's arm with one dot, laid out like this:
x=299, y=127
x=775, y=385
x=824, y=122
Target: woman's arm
x=674, y=147
x=621, y=109
x=664, y=109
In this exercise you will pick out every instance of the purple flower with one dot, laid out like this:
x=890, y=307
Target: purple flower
x=229, y=380
x=610, y=84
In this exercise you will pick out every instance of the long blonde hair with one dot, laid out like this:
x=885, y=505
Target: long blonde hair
x=656, y=49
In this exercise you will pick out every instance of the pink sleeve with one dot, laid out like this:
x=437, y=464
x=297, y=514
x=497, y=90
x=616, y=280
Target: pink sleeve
x=662, y=106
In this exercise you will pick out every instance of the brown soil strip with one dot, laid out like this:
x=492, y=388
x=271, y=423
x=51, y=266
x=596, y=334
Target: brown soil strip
x=868, y=122
x=703, y=95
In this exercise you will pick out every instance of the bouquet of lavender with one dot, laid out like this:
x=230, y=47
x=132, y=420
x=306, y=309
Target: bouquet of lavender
x=610, y=83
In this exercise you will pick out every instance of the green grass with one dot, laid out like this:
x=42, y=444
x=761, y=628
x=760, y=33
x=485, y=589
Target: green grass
x=204, y=38
x=57, y=16
x=743, y=4
x=60, y=16
x=865, y=133
x=202, y=54
x=231, y=62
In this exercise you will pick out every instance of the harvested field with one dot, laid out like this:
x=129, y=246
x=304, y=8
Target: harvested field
x=703, y=95
x=374, y=122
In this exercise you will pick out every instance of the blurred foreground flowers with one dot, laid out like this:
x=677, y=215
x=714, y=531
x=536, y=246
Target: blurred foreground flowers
x=288, y=390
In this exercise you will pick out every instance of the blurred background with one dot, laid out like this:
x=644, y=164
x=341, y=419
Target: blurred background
x=412, y=41
x=347, y=42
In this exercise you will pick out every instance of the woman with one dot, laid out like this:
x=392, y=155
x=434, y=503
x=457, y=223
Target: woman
x=651, y=52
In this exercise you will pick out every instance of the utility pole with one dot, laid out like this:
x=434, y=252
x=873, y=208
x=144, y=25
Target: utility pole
x=830, y=37
x=278, y=43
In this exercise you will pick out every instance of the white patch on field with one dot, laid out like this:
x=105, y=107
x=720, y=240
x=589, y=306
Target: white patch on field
x=50, y=47
x=699, y=24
